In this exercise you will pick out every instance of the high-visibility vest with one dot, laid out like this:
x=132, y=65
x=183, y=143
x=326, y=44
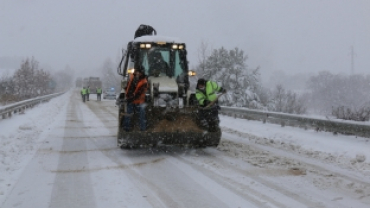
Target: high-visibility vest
x=98, y=90
x=211, y=89
x=83, y=91
x=142, y=83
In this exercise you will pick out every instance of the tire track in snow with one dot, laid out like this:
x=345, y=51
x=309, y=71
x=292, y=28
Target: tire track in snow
x=219, y=179
x=72, y=190
x=289, y=194
x=156, y=197
x=315, y=165
x=140, y=176
x=236, y=186
x=325, y=174
x=233, y=186
x=254, y=201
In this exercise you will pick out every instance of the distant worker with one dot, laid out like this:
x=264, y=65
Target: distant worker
x=98, y=93
x=83, y=93
x=208, y=101
x=135, y=98
x=82, y=96
x=88, y=93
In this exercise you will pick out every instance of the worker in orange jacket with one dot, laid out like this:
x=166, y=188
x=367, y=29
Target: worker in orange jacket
x=135, y=98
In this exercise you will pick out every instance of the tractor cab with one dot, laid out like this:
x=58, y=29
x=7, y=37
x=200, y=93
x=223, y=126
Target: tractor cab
x=164, y=62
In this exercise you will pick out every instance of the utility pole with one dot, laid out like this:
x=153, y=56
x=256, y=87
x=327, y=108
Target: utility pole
x=352, y=61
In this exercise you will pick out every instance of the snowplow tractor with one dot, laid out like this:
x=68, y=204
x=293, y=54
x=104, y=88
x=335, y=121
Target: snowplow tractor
x=170, y=106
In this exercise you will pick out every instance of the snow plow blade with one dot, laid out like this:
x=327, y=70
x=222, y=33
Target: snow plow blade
x=181, y=129
x=139, y=139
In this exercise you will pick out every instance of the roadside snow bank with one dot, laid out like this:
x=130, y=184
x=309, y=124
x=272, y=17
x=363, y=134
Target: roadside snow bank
x=348, y=152
x=20, y=137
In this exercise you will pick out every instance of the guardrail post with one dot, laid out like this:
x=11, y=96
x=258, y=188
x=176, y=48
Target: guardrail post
x=282, y=123
x=22, y=110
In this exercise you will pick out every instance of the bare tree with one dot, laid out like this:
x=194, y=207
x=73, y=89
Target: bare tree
x=203, y=54
x=332, y=93
x=7, y=90
x=29, y=81
x=23, y=79
x=109, y=76
x=63, y=79
x=286, y=101
x=43, y=80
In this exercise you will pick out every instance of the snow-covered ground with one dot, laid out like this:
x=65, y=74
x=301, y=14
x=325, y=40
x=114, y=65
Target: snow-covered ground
x=310, y=142
x=21, y=135
x=63, y=154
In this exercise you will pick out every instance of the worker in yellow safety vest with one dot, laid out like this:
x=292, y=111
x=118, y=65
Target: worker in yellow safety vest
x=98, y=93
x=83, y=93
x=88, y=93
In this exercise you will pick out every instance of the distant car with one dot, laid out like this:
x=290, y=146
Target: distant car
x=109, y=93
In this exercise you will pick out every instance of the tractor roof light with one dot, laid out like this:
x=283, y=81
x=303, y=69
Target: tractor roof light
x=131, y=71
x=192, y=73
x=181, y=47
x=148, y=45
x=175, y=46
x=142, y=45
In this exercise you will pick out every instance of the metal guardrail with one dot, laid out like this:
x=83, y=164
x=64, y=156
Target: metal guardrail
x=283, y=119
x=7, y=110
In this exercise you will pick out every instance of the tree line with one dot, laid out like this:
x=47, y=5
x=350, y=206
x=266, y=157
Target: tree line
x=345, y=97
x=30, y=81
x=342, y=96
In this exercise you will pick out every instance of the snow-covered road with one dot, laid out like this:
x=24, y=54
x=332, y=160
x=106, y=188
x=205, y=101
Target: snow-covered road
x=63, y=154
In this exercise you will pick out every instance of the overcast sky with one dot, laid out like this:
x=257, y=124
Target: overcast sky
x=295, y=36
